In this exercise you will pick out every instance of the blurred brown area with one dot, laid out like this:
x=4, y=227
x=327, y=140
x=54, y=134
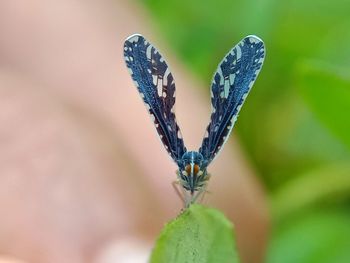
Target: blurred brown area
x=83, y=173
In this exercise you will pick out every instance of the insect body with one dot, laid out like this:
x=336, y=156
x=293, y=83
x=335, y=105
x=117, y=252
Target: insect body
x=231, y=84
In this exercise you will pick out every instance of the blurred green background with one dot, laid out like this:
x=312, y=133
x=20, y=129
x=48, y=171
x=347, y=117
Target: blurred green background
x=295, y=126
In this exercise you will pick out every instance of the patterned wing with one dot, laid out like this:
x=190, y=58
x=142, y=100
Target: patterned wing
x=231, y=84
x=155, y=83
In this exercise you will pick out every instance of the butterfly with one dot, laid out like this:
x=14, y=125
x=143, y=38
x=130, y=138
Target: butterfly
x=232, y=81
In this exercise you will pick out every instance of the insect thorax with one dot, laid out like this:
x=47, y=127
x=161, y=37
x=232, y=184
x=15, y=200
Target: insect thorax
x=192, y=172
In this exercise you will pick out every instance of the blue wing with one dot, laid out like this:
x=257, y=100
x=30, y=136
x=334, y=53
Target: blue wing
x=231, y=84
x=155, y=83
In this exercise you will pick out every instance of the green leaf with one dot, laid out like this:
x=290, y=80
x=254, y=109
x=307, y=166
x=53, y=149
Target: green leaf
x=327, y=93
x=199, y=234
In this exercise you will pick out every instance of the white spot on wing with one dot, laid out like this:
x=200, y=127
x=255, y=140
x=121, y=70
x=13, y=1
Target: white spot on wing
x=179, y=134
x=238, y=52
x=159, y=88
x=254, y=40
x=165, y=78
x=222, y=94
x=148, y=52
x=130, y=71
x=133, y=38
x=226, y=89
x=136, y=83
x=232, y=78
x=153, y=118
x=245, y=95
x=154, y=79
x=219, y=71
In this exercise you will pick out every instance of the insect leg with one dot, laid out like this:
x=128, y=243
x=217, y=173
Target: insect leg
x=201, y=193
x=176, y=185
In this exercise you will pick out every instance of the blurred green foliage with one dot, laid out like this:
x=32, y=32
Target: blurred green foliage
x=295, y=126
x=319, y=237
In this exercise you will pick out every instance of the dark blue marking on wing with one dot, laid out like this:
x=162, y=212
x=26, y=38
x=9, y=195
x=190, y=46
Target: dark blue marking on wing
x=231, y=84
x=156, y=85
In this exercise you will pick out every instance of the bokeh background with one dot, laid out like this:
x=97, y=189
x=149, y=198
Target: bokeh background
x=295, y=126
x=83, y=177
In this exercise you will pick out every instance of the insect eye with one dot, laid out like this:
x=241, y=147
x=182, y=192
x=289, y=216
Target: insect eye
x=195, y=168
x=188, y=169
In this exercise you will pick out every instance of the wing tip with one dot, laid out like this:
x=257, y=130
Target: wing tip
x=130, y=42
x=134, y=38
x=254, y=39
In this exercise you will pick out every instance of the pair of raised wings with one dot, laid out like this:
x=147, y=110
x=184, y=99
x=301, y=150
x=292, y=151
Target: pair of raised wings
x=231, y=84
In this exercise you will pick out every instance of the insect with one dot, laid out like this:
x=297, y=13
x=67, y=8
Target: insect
x=232, y=81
